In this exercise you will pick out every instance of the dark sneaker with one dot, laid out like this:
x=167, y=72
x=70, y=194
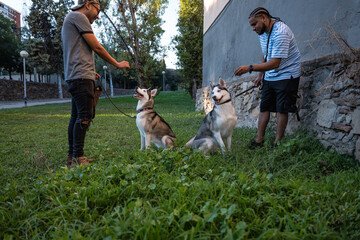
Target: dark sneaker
x=70, y=161
x=84, y=160
x=253, y=144
x=275, y=145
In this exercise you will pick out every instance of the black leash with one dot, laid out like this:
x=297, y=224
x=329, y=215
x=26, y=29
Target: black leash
x=130, y=116
x=121, y=38
x=132, y=58
x=244, y=91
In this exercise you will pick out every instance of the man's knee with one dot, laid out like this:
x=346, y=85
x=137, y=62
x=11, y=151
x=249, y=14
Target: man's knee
x=84, y=123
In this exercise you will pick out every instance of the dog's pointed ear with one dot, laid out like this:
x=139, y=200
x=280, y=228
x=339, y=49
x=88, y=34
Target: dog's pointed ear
x=153, y=92
x=212, y=84
x=222, y=83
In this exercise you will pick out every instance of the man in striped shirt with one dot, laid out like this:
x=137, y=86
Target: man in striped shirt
x=282, y=68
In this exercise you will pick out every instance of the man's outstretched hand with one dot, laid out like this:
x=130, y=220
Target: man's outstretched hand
x=241, y=70
x=123, y=64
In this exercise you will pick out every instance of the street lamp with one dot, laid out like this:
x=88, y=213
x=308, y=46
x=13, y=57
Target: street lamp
x=163, y=72
x=24, y=54
x=111, y=83
x=105, y=67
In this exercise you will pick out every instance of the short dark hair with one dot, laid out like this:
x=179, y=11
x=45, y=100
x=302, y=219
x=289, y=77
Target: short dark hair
x=258, y=11
x=261, y=10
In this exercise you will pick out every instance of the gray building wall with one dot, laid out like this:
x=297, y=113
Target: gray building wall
x=230, y=42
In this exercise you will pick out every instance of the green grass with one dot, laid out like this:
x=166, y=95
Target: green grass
x=295, y=191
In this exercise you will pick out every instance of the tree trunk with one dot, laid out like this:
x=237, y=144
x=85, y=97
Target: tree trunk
x=134, y=42
x=194, y=90
x=35, y=75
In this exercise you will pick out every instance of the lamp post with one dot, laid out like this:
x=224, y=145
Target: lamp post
x=24, y=54
x=163, y=72
x=111, y=84
x=105, y=67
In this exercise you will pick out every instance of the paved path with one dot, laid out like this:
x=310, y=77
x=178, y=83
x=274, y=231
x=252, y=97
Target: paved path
x=20, y=104
x=35, y=102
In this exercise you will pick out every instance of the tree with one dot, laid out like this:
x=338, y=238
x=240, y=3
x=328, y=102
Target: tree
x=139, y=23
x=45, y=22
x=9, y=46
x=189, y=44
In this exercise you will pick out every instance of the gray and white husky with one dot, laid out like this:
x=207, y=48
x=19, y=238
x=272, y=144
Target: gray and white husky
x=152, y=127
x=218, y=124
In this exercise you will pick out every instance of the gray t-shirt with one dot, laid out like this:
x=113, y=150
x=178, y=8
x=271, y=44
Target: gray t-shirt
x=78, y=56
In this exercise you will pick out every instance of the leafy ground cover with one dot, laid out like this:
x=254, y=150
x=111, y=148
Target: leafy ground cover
x=295, y=191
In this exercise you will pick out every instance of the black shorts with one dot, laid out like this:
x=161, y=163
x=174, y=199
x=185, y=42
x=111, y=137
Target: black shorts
x=279, y=96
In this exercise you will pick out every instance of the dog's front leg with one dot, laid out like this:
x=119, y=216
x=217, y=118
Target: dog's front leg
x=218, y=138
x=142, y=142
x=147, y=139
x=228, y=142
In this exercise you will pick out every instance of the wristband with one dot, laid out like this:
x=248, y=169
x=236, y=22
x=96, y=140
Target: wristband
x=250, y=68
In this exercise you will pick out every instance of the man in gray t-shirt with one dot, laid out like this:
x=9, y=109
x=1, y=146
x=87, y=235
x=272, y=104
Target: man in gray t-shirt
x=78, y=56
x=79, y=45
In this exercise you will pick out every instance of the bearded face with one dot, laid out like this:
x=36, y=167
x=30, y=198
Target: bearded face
x=258, y=24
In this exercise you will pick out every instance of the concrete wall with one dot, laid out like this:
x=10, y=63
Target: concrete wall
x=230, y=41
x=212, y=9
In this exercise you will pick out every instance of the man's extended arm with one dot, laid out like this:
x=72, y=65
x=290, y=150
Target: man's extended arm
x=261, y=67
x=100, y=50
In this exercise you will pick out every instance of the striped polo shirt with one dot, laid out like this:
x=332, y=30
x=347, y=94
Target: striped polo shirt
x=282, y=45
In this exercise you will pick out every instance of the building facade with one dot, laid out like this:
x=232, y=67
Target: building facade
x=320, y=29
x=10, y=13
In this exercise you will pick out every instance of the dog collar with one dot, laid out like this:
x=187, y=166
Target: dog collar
x=143, y=109
x=229, y=100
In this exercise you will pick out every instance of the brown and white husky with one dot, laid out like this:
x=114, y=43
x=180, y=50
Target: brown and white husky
x=152, y=127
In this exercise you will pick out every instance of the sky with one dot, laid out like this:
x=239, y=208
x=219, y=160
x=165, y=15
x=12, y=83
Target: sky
x=170, y=18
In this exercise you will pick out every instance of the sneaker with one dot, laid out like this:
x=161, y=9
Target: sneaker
x=253, y=144
x=84, y=160
x=275, y=145
x=69, y=161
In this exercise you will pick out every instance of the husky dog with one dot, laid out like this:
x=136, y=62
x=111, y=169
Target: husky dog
x=152, y=127
x=218, y=124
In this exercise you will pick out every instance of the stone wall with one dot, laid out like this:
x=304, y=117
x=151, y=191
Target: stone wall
x=329, y=102
x=14, y=90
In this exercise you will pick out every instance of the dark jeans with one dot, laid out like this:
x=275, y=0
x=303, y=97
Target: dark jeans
x=82, y=112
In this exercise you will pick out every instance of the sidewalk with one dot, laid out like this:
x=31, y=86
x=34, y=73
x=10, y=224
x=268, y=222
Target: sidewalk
x=34, y=102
